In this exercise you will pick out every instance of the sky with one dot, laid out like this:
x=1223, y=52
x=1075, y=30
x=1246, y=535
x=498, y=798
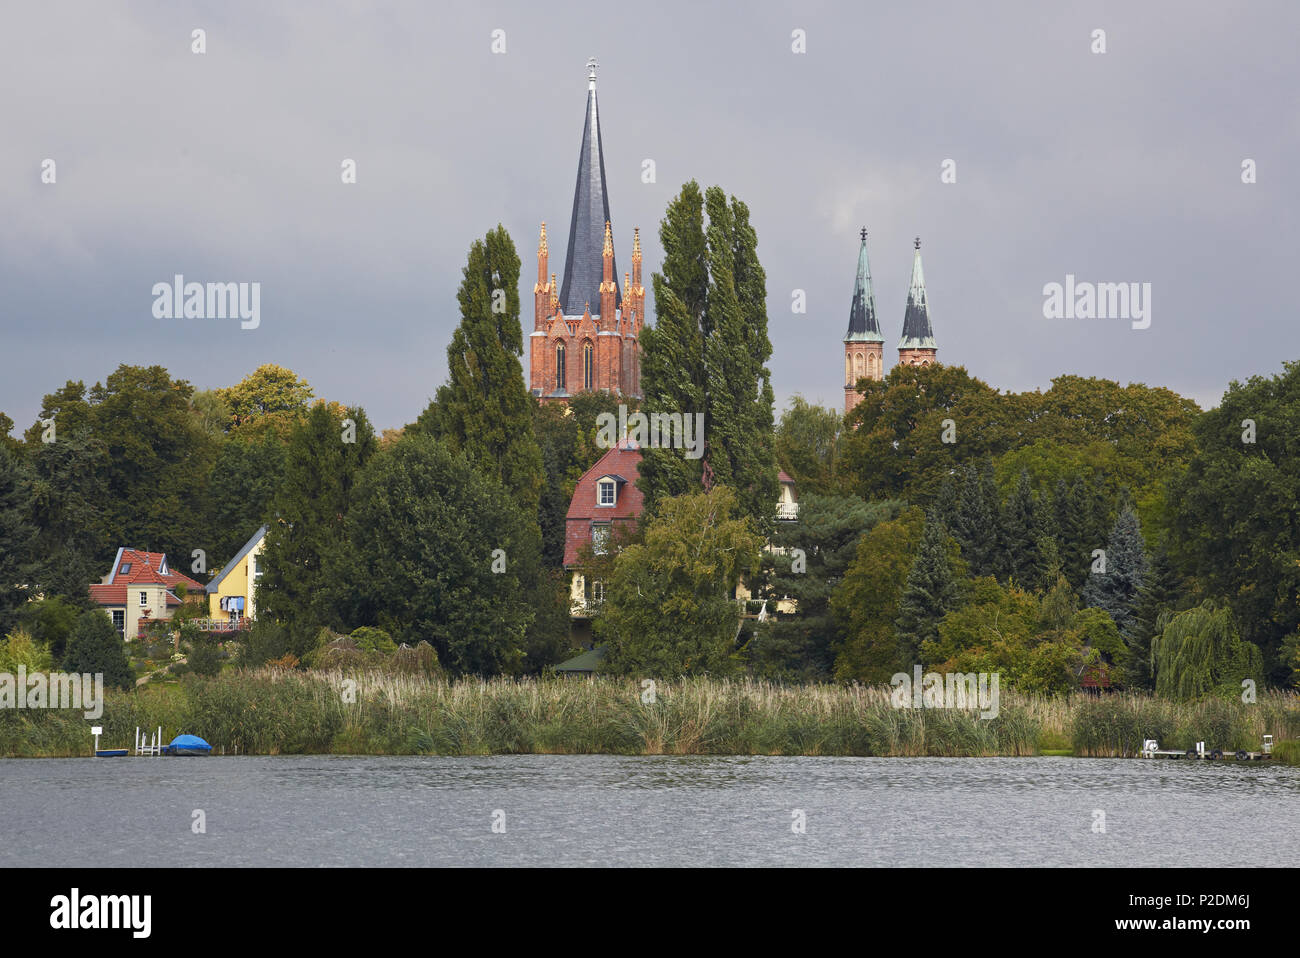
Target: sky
x=1117, y=167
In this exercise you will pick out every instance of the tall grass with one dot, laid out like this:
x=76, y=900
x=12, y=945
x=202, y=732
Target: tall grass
x=270, y=712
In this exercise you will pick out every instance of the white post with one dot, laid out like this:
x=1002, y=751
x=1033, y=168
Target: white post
x=96, y=731
x=137, y=740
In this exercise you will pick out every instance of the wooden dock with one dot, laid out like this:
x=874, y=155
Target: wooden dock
x=1151, y=749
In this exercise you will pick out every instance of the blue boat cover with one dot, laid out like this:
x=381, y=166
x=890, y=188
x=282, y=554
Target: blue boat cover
x=189, y=741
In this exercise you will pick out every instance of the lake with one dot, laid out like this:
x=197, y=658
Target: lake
x=646, y=811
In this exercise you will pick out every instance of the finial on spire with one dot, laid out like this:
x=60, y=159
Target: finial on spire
x=609, y=240
x=918, y=242
x=864, y=234
x=591, y=72
x=555, y=293
x=541, y=246
x=636, y=240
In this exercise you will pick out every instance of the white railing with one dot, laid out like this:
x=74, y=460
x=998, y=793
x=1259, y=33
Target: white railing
x=787, y=510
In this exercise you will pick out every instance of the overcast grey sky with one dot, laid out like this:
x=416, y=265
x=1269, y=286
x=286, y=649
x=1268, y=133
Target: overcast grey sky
x=1116, y=167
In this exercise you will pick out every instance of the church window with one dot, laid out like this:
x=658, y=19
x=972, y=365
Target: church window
x=587, y=365
x=559, y=366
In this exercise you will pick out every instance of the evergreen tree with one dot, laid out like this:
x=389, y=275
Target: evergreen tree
x=946, y=506
x=1115, y=591
x=321, y=471
x=799, y=646
x=69, y=492
x=932, y=590
x=1021, y=529
x=484, y=410
x=241, y=489
x=95, y=647
x=707, y=353
x=1069, y=530
x=18, y=568
x=1162, y=590
x=975, y=525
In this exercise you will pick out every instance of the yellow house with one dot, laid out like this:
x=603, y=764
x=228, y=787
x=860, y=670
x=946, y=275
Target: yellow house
x=232, y=594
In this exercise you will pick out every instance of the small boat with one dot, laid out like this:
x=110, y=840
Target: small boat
x=187, y=745
x=109, y=752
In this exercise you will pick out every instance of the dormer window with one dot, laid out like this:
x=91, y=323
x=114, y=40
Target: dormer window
x=606, y=492
x=124, y=569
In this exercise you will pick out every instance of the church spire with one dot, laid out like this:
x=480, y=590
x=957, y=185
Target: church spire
x=917, y=333
x=863, y=326
x=583, y=265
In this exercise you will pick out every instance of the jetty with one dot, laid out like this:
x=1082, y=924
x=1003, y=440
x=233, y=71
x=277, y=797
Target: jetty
x=1151, y=749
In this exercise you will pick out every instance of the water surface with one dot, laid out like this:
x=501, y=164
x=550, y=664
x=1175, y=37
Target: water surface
x=646, y=811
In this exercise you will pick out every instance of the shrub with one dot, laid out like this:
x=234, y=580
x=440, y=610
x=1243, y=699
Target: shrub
x=95, y=647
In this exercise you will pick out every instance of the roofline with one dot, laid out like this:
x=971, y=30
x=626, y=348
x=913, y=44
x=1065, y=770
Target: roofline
x=117, y=561
x=211, y=587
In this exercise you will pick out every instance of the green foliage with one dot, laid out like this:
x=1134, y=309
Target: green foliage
x=370, y=639
x=310, y=508
x=799, y=646
x=18, y=564
x=1199, y=652
x=933, y=587
x=807, y=446
x=96, y=647
x=668, y=609
x=270, y=398
x=204, y=658
x=865, y=603
x=426, y=526
x=1233, y=512
x=242, y=487
x=1116, y=590
x=18, y=648
x=484, y=410
x=51, y=621
x=707, y=354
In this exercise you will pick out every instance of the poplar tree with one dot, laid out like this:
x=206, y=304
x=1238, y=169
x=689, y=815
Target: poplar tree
x=707, y=353
x=484, y=410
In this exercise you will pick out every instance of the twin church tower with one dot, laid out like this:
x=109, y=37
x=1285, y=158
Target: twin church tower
x=574, y=349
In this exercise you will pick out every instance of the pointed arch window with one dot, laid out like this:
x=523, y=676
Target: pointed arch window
x=858, y=370
x=588, y=365
x=559, y=367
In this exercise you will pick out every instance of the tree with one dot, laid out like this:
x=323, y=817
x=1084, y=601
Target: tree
x=668, y=607
x=932, y=589
x=95, y=647
x=1115, y=591
x=1163, y=590
x=242, y=487
x=321, y=471
x=707, y=354
x=807, y=446
x=976, y=522
x=1233, y=512
x=865, y=603
x=18, y=566
x=799, y=645
x=270, y=397
x=1200, y=652
x=449, y=557
x=1022, y=527
x=484, y=410
x=51, y=621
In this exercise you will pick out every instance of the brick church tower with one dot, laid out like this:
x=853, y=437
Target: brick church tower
x=917, y=347
x=864, y=347
x=574, y=349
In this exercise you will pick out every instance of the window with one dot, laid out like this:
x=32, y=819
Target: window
x=257, y=567
x=600, y=538
x=606, y=492
x=597, y=592
x=125, y=569
x=587, y=366
x=119, y=621
x=144, y=598
x=559, y=366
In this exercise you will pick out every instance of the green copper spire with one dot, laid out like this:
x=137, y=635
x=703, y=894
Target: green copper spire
x=863, y=327
x=917, y=333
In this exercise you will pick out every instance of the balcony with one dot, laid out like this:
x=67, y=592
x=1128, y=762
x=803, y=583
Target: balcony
x=787, y=510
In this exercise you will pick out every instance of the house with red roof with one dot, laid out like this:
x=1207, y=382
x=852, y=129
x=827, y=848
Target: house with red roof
x=140, y=587
x=607, y=498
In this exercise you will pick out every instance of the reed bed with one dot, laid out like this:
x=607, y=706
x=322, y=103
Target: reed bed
x=321, y=712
